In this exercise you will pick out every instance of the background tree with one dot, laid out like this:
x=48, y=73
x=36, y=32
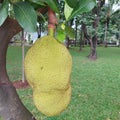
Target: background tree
x=93, y=37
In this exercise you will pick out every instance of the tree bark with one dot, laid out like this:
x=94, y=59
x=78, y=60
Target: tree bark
x=93, y=53
x=23, y=55
x=82, y=33
x=67, y=42
x=105, y=36
x=11, y=108
x=80, y=40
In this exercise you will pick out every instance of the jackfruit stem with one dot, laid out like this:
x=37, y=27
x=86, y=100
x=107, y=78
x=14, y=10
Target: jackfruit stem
x=51, y=32
x=52, y=22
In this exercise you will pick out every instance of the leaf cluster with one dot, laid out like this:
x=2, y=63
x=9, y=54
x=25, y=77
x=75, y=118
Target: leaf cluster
x=79, y=6
x=63, y=31
x=26, y=11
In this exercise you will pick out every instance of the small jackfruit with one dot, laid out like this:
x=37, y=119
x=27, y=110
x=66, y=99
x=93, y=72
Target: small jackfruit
x=48, y=67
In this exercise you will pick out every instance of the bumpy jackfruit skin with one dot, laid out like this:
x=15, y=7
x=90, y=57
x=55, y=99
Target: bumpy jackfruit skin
x=53, y=102
x=48, y=67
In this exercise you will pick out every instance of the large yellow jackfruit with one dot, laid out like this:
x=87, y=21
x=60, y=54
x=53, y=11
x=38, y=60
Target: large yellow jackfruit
x=48, y=67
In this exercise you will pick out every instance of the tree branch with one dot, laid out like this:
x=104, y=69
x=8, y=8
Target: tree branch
x=8, y=29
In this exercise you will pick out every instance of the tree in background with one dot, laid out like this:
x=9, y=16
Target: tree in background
x=100, y=22
x=92, y=34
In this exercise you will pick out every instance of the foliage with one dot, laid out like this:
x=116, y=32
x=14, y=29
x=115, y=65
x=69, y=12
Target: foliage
x=3, y=11
x=80, y=6
x=105, y=12
x=38, y=2
x=60, y=35
x=67, y=11
x=63, y=31
x=115, y=18
x=23, y=13
x=73, y=9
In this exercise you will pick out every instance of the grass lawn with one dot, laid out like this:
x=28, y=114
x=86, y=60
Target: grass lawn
x=95, y=85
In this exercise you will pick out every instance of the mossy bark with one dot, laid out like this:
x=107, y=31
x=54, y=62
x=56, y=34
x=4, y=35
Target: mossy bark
x=11, y=107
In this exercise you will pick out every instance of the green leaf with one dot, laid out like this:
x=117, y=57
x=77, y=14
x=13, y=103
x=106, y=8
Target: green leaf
x=3, y=11
x=62, y=33
x=36, y=6
x=39, y=2
x=53, y=5
x=83, y=6
x=70, y=32
x=60, y=36
x=67, y=11
x=41, y=17
x=72, y=3
x=26, y=16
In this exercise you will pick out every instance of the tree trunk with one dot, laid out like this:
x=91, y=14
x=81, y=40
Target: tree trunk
x=23, y=55
x=67, y=42
x=80, y=40
x=82, y=33
x=105, y=37
x=106, y=27
x=93, y=52
x=11, y=108
x=93, y=41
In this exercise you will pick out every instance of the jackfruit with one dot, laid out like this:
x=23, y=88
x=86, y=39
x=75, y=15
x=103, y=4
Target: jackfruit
x=48, y=67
